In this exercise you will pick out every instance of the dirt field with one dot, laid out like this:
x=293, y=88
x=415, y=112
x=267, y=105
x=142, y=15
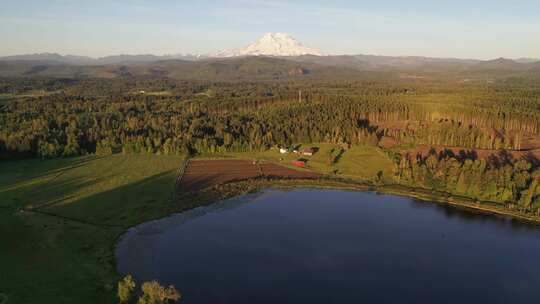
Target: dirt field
x=203, y=173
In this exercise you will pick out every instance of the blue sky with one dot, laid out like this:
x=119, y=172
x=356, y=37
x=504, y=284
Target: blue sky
x=467, y=29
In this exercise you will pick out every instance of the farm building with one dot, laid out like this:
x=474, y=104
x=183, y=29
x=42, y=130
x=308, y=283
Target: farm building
x=299, y=163
x=308, y=151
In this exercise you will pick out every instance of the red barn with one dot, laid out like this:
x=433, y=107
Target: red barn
x=299, y=163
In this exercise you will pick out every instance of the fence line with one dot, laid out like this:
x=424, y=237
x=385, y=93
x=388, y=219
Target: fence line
x=179, y=176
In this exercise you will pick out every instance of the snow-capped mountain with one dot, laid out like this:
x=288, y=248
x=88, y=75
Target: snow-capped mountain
x=272, y=44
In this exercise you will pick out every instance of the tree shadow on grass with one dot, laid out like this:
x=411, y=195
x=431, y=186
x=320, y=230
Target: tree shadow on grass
x=36, y=168
x=20, y=180
x=90, y=197
x=66, y=249
x=51, y=192
x=124, y=205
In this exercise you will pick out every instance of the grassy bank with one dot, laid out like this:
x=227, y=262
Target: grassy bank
x=60, y=220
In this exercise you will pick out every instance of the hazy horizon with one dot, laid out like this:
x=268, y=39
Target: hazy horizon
x=209, y=56
x=447, y=29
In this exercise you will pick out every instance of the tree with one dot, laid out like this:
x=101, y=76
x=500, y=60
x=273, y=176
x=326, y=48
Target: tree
x=154, y=293
x=125, y=289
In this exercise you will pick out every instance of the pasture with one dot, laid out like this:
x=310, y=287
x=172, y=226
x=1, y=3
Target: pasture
x=60, y=220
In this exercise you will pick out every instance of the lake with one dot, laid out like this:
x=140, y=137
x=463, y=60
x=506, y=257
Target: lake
x=332, y=246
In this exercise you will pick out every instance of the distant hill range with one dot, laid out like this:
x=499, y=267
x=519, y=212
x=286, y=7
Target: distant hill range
x=53, y=58
x=261, y=67
x=222, y=69
x=274, y=56
x=357, y=61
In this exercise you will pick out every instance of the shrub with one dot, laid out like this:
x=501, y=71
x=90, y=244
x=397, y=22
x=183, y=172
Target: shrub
x=125, y=289
x=154, y=293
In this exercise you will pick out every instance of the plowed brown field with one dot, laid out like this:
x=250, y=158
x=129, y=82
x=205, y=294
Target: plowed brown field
x=204, y=173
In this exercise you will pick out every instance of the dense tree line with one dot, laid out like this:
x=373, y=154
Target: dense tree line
x=513, y=183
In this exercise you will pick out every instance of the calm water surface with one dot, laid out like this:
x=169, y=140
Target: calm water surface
x=330, y=246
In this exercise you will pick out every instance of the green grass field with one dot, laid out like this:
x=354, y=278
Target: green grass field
x=52, y=259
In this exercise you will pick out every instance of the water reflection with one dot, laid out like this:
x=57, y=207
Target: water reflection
x=479, y=216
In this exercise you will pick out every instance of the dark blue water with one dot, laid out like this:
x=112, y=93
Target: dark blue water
x=329, y=246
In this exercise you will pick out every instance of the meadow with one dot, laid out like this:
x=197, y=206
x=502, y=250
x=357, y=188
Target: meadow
x=61, y=218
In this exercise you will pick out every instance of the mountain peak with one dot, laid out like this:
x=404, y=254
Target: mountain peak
x=276, y=37
x=272, y=44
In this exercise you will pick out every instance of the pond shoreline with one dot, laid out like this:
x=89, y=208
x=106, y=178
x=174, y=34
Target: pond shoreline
x=253, y=185
x=486, y=207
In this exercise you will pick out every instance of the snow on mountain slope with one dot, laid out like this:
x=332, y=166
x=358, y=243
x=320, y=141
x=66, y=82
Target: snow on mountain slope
x=272, y=44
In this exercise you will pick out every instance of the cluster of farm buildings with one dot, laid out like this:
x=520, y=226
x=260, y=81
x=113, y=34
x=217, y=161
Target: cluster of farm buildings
x=304, y=152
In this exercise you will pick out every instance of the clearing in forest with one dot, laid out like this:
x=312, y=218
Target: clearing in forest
x=357, y=162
